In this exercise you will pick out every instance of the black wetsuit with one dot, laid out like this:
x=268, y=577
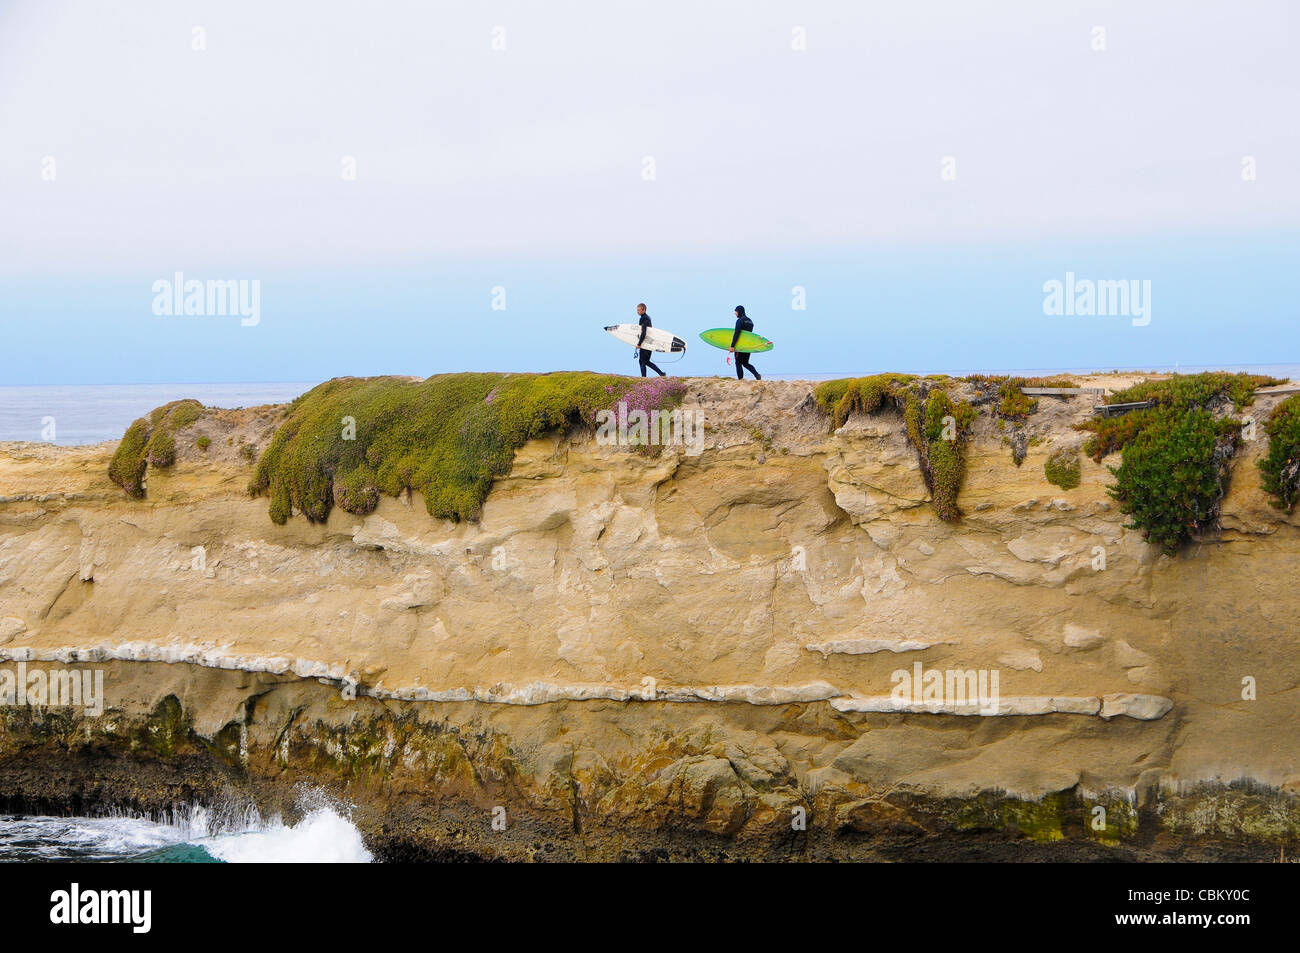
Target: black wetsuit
x=742, y=357
x=644, y=353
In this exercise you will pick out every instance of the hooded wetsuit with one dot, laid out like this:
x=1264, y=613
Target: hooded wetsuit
x=743, y=323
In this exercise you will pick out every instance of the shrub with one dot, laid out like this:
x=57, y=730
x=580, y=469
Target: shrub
x=1175, y=453
x=203, y=442
x=1280, y=469
x=1178, y=393
x=1062, y=468
x=1173, y=475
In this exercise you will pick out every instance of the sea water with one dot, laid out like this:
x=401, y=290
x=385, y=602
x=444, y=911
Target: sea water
x=93, y=413
x=195, y=835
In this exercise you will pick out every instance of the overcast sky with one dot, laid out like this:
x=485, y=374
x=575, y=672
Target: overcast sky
x=526, y=168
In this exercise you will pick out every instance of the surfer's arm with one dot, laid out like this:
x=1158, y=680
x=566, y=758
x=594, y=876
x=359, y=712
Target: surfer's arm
x=735, y=337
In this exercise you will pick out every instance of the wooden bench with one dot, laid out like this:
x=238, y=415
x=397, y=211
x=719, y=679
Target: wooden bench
x=1115, y=410
x=1061, y=391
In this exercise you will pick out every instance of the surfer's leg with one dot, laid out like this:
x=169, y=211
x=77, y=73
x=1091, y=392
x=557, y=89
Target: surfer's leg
x=654, y=367
x=740, y=366
x=644, y=357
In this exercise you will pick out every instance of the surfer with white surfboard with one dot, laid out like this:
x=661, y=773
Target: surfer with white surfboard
x=646, y=338
x=644, y=353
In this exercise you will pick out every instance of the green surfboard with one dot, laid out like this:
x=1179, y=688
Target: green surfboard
x=749, y=341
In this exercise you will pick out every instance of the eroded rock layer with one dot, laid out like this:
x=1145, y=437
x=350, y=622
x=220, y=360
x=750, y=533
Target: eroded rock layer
x=633, y=653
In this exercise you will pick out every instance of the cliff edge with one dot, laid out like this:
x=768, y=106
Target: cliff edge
x=719, y=648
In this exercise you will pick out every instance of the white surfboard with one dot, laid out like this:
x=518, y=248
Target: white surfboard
x=656, y=339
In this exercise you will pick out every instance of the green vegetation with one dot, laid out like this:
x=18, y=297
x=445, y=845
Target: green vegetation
x=149, y=442
x=1174, y=475
x=925, y=404
x=350, y=439
x=1281, y=468
x=127, y=467
x=203, y=442
x=1175, y=453
x=1177, y=394
x=940, y=446
x=866, y=395
x=1013, y=406
x=1196, y=390
x=1062, y=468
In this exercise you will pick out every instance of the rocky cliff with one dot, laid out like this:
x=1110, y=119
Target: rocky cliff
x=680, y=654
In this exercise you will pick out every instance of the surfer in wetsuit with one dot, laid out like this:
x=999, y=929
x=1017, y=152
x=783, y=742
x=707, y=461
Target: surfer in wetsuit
x=743, y=323
x=644, y=353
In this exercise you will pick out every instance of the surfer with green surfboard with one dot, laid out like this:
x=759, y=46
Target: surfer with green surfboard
x=743, y=323
x=740, y=341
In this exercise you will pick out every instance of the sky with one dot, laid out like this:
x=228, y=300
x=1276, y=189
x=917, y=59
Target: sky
x=419, y=188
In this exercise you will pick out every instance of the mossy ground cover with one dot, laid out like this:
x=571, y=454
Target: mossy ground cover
x=864, y=395
x=1175, y=453
x=151, y=442
x=936, y=424
x=351, y=439
x=1280, y=468
x=1062, y=468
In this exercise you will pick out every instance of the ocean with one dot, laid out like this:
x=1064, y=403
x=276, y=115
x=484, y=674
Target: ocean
x=93, y=413
x=195, y=836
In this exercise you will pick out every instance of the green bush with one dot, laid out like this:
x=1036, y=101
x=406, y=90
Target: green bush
x=1280, y=469
x=447, y=437
x=1173, y=475
x=1179, y=393
x=127, y=467
x=203, y=442
x=1175, y=453
x=1062, y=468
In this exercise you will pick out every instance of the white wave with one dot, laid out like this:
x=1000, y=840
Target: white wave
x=323, y=836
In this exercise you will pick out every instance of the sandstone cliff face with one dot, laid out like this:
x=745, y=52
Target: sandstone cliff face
x=674, y=650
